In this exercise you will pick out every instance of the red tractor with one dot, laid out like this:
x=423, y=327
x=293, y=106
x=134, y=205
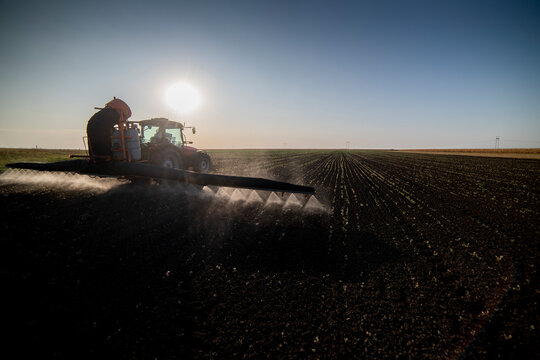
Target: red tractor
x=164, y=143
x=156, y=141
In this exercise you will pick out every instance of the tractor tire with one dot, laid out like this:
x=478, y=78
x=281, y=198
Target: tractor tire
x=168, y=158
x=203, y=164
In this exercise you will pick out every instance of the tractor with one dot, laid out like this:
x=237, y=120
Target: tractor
x=149, y=149
x=164, y=143
x=157, y=141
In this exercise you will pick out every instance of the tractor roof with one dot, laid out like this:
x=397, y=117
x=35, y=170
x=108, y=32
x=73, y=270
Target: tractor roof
x=168, y=124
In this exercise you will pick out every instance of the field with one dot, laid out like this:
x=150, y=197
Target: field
x=34, y=155
x=524, y=153
x=415, y=256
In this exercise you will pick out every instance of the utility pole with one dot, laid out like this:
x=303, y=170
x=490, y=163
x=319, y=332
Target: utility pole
x=347, y=145
x=497, y=139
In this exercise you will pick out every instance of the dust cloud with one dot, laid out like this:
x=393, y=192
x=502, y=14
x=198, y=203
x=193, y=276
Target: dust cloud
x=64, y=181
x=231, y=196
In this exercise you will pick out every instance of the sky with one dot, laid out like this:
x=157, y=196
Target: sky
x=277, y=74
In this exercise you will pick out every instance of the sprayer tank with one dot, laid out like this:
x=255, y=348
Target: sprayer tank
x=133, y=145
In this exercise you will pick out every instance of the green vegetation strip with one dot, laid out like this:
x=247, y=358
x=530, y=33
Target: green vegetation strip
x=34, y=155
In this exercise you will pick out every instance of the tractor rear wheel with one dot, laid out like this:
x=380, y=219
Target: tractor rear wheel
x=203, y=163
x=168, y=158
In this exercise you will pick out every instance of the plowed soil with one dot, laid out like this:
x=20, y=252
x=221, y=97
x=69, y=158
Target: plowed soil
x=415, y=256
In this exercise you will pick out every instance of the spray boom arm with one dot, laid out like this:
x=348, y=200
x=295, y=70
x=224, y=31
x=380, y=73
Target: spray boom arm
x=119, y=169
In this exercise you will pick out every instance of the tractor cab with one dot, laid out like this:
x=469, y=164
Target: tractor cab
x=161, y=131
x=163, y=142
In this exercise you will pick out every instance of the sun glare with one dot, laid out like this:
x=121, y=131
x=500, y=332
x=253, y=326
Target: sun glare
x=182, y=97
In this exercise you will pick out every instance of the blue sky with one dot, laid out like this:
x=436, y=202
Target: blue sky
x=294, y=74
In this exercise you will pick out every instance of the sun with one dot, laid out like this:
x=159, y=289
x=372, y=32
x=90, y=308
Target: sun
x=182, y=97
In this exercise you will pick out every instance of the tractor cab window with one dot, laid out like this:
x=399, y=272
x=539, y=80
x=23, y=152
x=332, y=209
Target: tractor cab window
x=174, y=136
x=153, y=134
x=149, y=133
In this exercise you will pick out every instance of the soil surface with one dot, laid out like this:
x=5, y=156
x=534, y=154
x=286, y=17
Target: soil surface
x=410, y=256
